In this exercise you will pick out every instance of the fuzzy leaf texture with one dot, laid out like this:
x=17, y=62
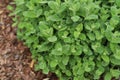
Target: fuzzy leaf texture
x=76, y=39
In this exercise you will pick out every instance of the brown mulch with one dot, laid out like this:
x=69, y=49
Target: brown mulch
x=15, y=58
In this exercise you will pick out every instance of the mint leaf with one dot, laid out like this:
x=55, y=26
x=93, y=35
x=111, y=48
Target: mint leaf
x=76, y=39
x=43, y=47
x=65, y=60
x=10, y=7
x=52, y=39
x=79, y=27
x=99, y=71
x=117, y=54
x=115, y=73
x=76, y=34
x=115, y=61
x=53, y=5
x=53, y=63
x=19, y=2
x=117, y=2
x=32, y=14
x=53, y=18
x=91, y=17
x=46, y=70
x=75, y=18
x=108, y=76
x=105, y=58
x=91, y=36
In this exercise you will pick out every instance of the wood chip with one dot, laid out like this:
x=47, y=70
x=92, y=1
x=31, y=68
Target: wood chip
x=46, y=79
x=1, y=12
x=32, y=63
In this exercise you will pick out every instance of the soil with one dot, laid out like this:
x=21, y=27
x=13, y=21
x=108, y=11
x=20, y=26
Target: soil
x=15, y=57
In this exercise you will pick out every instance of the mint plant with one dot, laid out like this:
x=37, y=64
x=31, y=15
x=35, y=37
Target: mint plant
x=76, y=39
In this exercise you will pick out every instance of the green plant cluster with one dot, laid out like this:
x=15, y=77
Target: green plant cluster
x=76, y=39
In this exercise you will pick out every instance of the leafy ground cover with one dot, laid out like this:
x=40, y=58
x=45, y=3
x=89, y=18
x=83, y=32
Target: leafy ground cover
x=76, y=39
x=15, y=58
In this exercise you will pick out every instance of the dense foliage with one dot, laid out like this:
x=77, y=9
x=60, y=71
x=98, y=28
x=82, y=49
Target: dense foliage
x=76, y=39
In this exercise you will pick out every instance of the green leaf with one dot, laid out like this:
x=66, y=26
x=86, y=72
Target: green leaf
x=117, y=2
x=75, y=70
x=97, y=47
x=87, y=68
x=114, y=21
x=98, y=35
x=68, y=40
x=85, y=48
x=58, y=72
x=62, y=66
x=91, y=17
x=80, y=70
x=113, y=47
x=65, y=60
x=73, y=50
x=88, y=27
x=10, y=7
x=115, y=73
x=91, y=36
x=43, y=47
x=19, y=2
x=116, y=37
x=62, y=8
x=22, y=25
x=56, y=52
x=99, y=71
x=105, y=58
x=96, y=77
x=79, y=49
x=53, y=18
x=81, y=77
x=45, y=31
x=53, y=5
x=36, y=1
x=68, y=72
x=108, y=76
x=53, y=63
x=115, y=61
x=66, y=49
x=60, y=28
x=30, y=5
x=45, y=70
x=32, y=13
x=64, y=34
x=75, y=7
x=42, y=65
x=117, y=54
x=42, y=2
x=114, y=10
x=79, y=27
x=52, y=39
x=82, y=36
x=75, y=18
x=82, y=11
x=58, y=46
x=76, y=34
